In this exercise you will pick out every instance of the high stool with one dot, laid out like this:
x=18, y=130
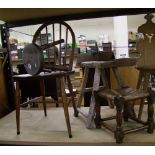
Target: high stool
x=41, y=78
x=99, y=67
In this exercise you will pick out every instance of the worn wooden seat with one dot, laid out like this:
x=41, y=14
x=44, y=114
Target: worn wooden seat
x=123, y=98
x=129, y=94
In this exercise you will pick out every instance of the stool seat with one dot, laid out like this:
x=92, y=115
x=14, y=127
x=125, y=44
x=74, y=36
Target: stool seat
x=127, y=93
x=99, y=64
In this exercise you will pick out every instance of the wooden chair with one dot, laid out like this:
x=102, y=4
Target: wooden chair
x=123, y=98
x=146, y=63
x=60, y=68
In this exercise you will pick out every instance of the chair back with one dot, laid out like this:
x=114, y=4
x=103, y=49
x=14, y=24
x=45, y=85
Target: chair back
x=146, y=45
x=63, y=53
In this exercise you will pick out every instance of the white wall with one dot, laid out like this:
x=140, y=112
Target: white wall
x=135, y=21
x=92, y=28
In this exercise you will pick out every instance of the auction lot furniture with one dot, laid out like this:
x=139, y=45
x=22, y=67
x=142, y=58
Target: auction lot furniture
x=146, y=63
x=41, y=78
x=122, y=98
x=99, y=67
x=37, y=69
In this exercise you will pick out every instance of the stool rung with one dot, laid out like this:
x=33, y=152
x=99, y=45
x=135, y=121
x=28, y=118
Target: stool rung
x=135, y=129
x=91, y=88
x=81, y=112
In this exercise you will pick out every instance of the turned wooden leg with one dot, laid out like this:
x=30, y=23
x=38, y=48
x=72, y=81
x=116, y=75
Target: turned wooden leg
x=72, y=95
x=42, y=89
x=150, y=113
x=17, y=101
x=98, y=112
x=65, y=105
x=119, y=135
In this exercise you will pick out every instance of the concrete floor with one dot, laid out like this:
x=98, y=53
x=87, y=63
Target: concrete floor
x=51, y=130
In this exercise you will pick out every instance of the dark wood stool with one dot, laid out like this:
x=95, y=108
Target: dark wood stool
x=123, y=97
x=41, y=77
x=99, y=72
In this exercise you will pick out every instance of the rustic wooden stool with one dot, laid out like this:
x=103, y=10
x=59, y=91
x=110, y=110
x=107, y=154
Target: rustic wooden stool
x=41, y=77
x=99, y=67
x=122, y=99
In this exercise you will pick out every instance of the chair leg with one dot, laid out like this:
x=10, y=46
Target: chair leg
x=17, y=101
x=42, y=89
x=119, y=135
x=141, y=109
x=150, y=113
x=126, y=112
x=98, y=112
x=72, y=96
x=65, y=105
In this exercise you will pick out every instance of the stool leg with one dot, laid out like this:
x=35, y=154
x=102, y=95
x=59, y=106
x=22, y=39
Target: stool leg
x=91, y=114
x=42, y=89
x=119, y=135
x=84, y=82
x=139, y=83
x=141, y=108
x=150, y=113
x=126, y=112
x=72, y=95
x=98, y=111
x=65, y=105
x=17, y=101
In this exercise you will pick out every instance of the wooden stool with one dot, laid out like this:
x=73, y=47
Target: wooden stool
x=99, y=72
x=41, y=78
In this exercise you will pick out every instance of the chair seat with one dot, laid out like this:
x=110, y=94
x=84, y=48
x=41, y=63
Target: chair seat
x=42, y=75
x=127, y=93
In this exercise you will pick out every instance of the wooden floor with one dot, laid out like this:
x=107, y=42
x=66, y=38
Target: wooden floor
x=51, y=130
